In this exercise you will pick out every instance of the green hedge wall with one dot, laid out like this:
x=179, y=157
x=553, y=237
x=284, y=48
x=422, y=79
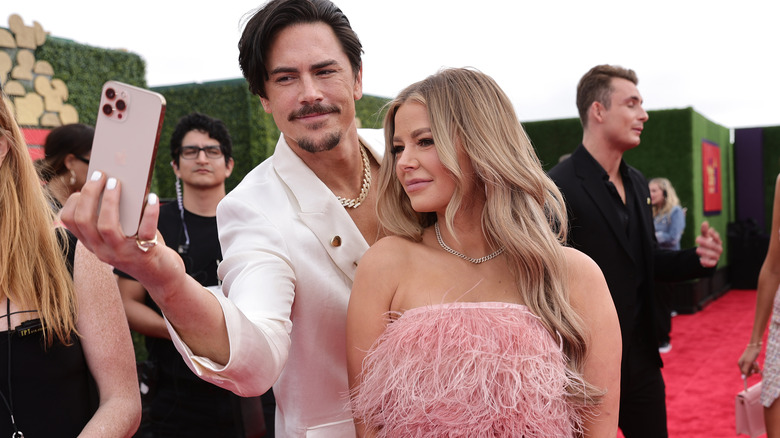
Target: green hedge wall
x=705, y=129
x=370, y=110
x=554, y=138
x=85, y=69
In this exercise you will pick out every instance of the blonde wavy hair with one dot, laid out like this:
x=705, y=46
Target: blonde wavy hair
x=524, y=210
x=670, y=196
x=33, y=271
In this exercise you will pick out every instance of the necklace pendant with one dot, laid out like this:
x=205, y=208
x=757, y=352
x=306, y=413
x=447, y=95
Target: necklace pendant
x=17, y=434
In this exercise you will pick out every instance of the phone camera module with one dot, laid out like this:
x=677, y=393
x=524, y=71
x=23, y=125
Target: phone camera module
x=115, y=103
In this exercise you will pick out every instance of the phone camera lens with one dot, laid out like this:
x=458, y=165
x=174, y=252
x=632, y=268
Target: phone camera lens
x=110, y=93
x=107, y=109
x=120, y=105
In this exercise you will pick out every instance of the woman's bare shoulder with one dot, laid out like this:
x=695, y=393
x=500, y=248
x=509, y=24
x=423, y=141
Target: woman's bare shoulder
x=585, y=278
x=579, y=263
x=391, y=247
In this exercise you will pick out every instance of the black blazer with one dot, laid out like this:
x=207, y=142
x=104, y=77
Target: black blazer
x=595, y=229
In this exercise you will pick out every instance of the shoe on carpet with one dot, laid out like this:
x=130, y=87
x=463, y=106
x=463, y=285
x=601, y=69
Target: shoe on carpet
x=665, y=348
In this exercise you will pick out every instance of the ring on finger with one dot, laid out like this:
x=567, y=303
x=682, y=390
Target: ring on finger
x=145, y=245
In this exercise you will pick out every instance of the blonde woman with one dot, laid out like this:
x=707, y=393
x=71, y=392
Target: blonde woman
x=669, y=223
x=67, y=366
x=668, y=216
x=474, y=320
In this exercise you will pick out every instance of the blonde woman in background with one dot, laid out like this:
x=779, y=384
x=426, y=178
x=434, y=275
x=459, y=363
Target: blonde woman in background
x=767, y=304
x=67, y=366
x=669, y=221
x=668, y=216
x=474, y=319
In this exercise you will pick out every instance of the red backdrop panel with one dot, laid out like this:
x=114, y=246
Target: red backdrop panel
x=711, y=177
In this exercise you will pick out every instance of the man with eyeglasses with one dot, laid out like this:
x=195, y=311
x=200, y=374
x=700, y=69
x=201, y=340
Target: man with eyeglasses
x=177, y=402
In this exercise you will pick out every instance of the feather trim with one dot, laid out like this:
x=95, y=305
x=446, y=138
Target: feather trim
x=466, y=370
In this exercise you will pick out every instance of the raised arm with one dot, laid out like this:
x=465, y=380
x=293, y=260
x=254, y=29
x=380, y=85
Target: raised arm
x=142, y=318
x=108, y=348
x=591, y=300
x=192, y=310
x=768, y=282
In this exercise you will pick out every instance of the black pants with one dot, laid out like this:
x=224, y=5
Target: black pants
x=642, y=394
x=190, y=407
x=663, y=298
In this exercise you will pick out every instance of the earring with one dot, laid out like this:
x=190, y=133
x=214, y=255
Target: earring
x=72, y=177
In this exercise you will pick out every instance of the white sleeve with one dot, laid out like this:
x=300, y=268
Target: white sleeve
x=259, y=283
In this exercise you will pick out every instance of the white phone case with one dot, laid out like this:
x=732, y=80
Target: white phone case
x=127, y=132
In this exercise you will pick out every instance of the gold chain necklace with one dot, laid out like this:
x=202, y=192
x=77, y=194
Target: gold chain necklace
x=364, y=189
x=461, y=255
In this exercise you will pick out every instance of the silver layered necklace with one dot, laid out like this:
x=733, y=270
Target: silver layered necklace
x=461, y=255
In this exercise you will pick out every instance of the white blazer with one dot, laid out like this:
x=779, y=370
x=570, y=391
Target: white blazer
x=290, y=251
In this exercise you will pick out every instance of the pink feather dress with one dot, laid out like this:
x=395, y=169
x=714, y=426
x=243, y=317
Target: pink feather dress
x=466, y=370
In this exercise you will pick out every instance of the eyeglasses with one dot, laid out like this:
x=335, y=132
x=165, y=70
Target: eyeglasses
x=84, y=160
x=192, y=152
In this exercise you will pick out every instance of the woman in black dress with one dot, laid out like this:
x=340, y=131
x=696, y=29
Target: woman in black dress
x=67, y=366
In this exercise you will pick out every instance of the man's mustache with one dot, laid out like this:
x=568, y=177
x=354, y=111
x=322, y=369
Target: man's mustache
x=313, y=109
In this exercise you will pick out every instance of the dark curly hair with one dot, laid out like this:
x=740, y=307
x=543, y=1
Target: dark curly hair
x=215, y=128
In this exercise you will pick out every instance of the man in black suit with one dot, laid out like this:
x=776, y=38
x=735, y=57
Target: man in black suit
x=610, y=219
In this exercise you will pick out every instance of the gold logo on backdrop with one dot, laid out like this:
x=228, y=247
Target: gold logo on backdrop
x=31, y=91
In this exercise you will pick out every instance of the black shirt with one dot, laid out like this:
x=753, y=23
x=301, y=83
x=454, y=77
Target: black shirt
x=629, y=214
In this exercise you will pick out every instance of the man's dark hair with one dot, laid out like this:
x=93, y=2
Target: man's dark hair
x=215, y=128
x=275, y=16
x=596, y=86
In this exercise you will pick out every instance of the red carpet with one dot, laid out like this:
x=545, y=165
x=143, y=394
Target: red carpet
x=701, y=371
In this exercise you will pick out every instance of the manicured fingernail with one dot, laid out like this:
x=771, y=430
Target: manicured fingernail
x=152, y=199
x=96, y=175
x=111, y=184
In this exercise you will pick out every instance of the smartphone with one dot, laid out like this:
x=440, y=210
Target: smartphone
x=127, y=132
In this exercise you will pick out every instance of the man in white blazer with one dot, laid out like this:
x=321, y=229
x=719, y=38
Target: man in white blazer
x=292, y=232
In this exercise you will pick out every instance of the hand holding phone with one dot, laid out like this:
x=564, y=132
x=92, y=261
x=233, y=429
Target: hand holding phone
x=127, y=132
